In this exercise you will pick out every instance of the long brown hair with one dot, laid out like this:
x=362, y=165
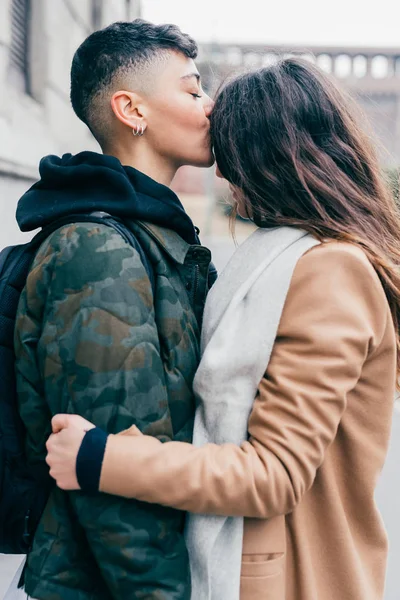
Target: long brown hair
x=289, y=139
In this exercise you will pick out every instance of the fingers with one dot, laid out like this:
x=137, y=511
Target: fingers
x=60, y=422
x=49, y=447
x=62, y=450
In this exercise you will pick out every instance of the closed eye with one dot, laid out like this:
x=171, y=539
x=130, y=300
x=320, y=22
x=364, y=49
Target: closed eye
x=196, y=95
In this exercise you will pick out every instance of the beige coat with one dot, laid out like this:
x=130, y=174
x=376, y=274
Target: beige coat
x=319, y=433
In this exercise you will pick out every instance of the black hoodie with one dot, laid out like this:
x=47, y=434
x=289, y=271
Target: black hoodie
x=90, y=182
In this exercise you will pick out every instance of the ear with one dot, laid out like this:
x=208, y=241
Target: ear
x=128, y=108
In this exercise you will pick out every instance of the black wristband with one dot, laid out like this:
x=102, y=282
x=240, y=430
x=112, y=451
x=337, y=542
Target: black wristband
x=90, y=460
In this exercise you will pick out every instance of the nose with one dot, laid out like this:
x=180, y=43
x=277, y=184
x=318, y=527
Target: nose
x=208, y=105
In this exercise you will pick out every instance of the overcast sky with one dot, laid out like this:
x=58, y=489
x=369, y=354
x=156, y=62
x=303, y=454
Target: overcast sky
x=340, y=22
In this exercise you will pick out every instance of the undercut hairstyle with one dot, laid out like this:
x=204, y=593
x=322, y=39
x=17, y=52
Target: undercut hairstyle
x=122, y=53
x=291, y=141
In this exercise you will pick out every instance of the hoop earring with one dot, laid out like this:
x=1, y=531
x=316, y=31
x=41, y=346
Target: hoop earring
x=138, y=130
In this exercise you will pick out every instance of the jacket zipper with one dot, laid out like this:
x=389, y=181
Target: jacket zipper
x=196, y=282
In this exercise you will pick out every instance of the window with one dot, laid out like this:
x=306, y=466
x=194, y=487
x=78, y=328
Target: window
x=97, y=14
x=325, y=62
x=20, y=44
x=343, y=66
x=380, y=67
x=133, y=9
x=360, y=66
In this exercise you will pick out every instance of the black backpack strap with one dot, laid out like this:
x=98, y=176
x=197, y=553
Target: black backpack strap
x=101, y=218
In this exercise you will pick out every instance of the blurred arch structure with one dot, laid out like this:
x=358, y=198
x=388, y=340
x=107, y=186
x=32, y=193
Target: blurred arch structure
x=370, y=75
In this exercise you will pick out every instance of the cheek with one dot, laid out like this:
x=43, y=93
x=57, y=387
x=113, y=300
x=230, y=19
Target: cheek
x=180, y=130
x=191, y=118
x=182, y=113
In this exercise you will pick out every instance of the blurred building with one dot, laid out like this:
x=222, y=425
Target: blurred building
x=37, y=41
x=371, y=75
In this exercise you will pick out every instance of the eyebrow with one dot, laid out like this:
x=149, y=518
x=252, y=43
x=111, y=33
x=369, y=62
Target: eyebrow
x=191, y=75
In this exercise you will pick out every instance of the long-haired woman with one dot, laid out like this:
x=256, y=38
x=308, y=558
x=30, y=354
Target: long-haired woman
x=299, y=361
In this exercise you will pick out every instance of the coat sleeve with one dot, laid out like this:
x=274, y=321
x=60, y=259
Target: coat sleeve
x=334, y=318
x=99, y=356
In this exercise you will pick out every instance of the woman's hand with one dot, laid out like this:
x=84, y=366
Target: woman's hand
x=63, y=447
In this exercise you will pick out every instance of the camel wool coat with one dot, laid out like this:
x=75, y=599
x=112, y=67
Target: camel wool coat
x=318, y=436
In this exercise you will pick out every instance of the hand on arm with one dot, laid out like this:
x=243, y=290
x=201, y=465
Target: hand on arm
x=334, y=317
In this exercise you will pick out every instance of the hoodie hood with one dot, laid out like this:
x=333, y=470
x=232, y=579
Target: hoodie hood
x=90, y=182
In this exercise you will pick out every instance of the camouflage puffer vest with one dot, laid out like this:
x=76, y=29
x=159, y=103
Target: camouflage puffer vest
x=92, y=338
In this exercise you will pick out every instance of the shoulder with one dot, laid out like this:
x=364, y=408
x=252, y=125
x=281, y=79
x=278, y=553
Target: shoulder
x=85, y=254
x=335, y=281
x=77, y=237
x=333, y=263
x=89, y=246
x=331, y=252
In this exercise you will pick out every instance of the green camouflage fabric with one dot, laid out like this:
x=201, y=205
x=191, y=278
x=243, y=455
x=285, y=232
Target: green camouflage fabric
x=91, y=338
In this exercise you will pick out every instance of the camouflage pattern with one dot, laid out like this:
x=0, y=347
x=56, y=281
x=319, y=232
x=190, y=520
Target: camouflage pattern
x=91, y=339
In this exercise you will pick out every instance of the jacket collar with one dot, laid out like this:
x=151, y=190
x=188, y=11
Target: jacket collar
x=176, y=248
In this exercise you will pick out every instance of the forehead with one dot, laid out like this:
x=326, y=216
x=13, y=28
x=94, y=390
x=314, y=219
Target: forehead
x=180, y=68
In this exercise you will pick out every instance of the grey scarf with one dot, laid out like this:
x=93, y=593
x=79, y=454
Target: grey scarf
x=240, y=324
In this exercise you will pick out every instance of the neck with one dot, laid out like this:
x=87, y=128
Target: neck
x=146, y=161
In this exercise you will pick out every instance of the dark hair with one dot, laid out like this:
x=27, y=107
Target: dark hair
x=120, y=46
x=286, y=136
